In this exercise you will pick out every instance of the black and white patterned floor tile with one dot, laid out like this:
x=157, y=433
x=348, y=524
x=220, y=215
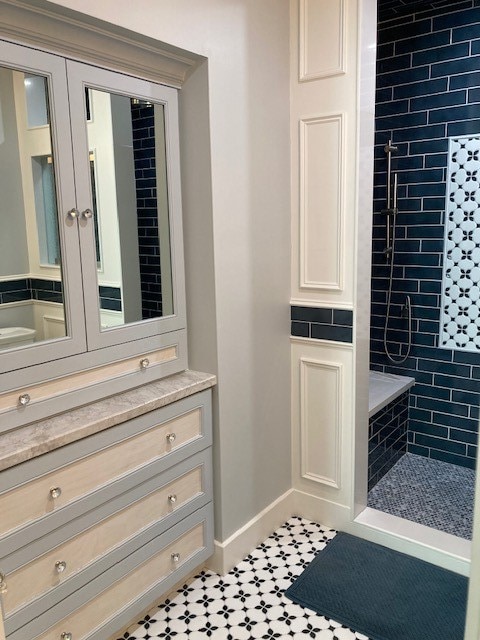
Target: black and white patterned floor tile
x=248, y=603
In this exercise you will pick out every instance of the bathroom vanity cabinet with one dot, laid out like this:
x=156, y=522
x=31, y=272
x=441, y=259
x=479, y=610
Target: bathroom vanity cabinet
x=105, y=435
x=91, y=228
x=95, y=530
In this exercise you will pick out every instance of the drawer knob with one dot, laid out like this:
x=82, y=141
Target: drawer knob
x=60, y=566
x=175, y=557
x=87, y=214
x=55, y=492
x=172, y=498
x=3, y=583
x=66, y=635
x=171, y=437
x=72, y=214
x=24, y=399
x=144, y=362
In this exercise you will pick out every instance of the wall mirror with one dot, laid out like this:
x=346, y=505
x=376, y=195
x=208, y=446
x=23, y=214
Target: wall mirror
x=130, y=208
x=31, y=287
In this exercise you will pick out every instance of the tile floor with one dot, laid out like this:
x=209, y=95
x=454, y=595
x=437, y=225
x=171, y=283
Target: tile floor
x=430, y=492
x=248, y=602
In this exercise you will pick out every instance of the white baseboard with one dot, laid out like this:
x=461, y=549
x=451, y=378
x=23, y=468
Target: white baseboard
x=230, y=552
x=320, y=510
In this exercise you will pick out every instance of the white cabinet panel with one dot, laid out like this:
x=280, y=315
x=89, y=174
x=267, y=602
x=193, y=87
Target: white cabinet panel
x=322, y=419
x=321, y=38
x=321, y=202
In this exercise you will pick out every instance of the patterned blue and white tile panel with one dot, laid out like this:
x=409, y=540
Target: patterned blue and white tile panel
x=460, y=313
x=248, y=602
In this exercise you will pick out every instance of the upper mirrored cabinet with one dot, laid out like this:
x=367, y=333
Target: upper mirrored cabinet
x=90, y=220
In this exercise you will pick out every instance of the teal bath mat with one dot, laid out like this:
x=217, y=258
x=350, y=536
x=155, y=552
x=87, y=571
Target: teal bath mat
x=381, y=593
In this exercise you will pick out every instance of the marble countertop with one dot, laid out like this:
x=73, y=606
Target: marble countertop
x=45, y=435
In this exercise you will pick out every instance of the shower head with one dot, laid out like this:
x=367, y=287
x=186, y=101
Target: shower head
x=389, y=148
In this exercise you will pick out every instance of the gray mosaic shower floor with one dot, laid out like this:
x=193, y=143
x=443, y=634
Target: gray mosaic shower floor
x=436, y=494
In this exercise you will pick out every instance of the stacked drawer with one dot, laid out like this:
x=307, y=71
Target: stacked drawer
x=93, y=532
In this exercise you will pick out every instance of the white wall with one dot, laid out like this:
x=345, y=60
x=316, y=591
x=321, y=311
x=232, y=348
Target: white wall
x=247, y=46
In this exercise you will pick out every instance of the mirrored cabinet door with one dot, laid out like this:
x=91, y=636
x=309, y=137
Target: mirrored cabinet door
x=126, y=151
x=41, y=315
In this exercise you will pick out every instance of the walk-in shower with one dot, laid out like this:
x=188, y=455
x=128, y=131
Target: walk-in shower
x=425, y=312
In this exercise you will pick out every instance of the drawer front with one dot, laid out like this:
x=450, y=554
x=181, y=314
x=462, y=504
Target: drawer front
x=106, y=606
x=64, y=561
x=59, y=488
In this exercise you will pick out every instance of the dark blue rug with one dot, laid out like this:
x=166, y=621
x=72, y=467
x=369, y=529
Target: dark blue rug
x=381, y=593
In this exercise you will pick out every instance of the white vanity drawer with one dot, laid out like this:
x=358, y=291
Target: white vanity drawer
x=56, y=489
x=61, y=563
x=91, y=620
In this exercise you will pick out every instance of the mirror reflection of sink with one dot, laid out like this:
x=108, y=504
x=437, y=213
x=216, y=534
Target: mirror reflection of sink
x=17, y=336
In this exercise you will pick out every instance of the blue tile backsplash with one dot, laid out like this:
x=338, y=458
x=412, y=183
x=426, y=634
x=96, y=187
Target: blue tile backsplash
x=428, y=89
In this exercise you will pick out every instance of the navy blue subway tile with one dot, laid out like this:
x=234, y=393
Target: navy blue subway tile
x=420, y=133
x=463, y=128
x=383, y=95
x=405, y=77
x=404, y=31
x=422, y=42
x=427, y=189
x=396, y=63
x=465, y=397
x=453, y=114
x=330, y=332
x=457, y=383
x=14, y=285
x=439, y=100
x=429, y=146
x=446, y=456
x=415, y=89
x=465, y=80
x=385, y=50
x=470, y=32
x=438, y=54
x=391, y=107
x=474, y=95
x=457, y=448
x=343, y=317
x=300, y=329
x=436, y=160
x=428, y=429
x=312, y=314
x=16, y=296
x=468, y=437
x=401, y=121
x=457, y=19
x=455, y=67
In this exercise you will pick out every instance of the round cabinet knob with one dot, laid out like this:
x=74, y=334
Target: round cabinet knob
x=55, y=492
x=171, y=437
x=3, y=583
x=60, y=566
x=66, y=635
x=24, y=399
x=175, y=557
x=144, y=362
x=172, y=498
x=72, y=214
x=87, y=214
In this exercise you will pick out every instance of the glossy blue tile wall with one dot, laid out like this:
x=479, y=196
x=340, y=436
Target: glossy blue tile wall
x=428, y=88
x=387, y=438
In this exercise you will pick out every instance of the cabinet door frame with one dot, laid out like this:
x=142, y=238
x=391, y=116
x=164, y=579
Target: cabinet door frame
x=80, y=77
x=52, y=67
